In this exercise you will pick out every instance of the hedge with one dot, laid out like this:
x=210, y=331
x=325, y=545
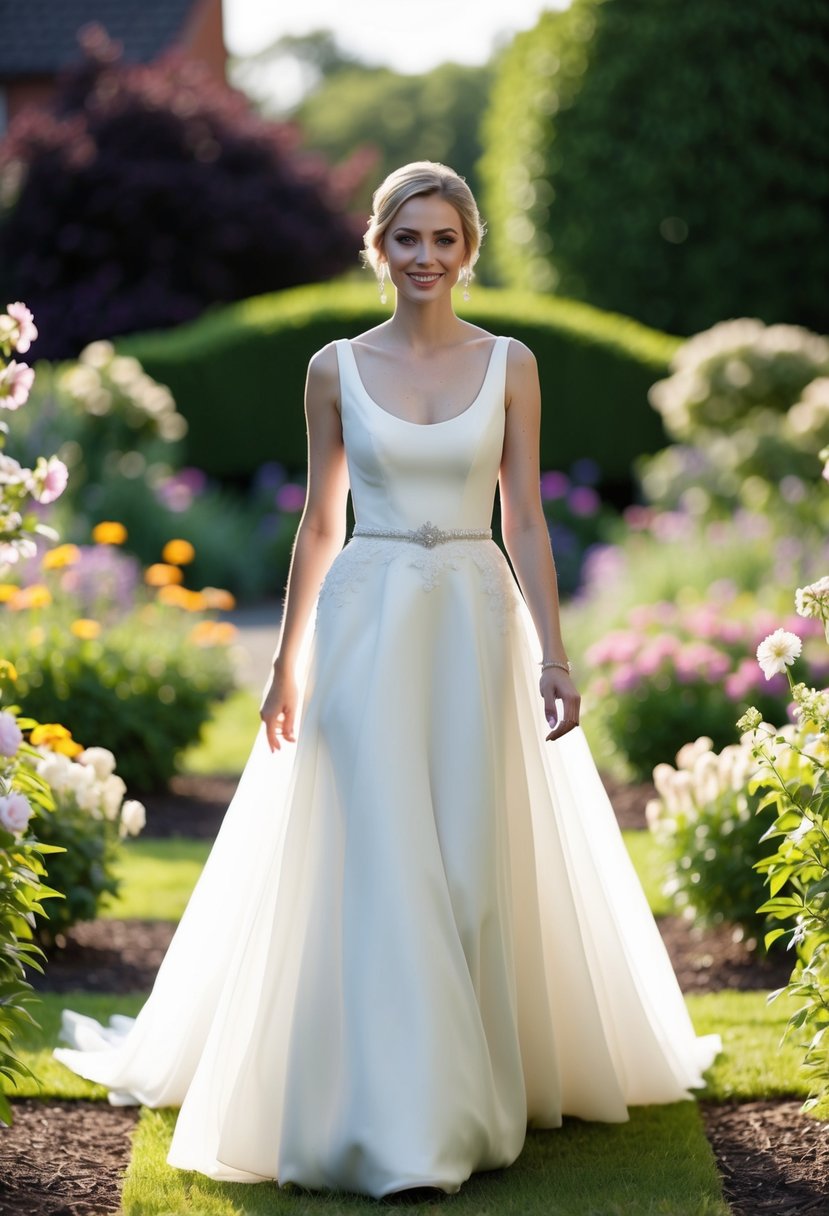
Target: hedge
x=238, y=373
x=665, y=160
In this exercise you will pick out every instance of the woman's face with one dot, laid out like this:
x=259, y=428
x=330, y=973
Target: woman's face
x=424, y=247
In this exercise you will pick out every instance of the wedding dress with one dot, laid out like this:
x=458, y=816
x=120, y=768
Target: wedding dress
x=418, y=930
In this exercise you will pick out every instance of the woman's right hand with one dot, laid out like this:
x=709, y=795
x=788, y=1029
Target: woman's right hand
x=278, y=708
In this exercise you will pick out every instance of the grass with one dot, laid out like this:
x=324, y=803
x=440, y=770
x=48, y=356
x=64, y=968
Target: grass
x=226, y=739
x=157, y=877
x=56, y=1081
x=658, y=1164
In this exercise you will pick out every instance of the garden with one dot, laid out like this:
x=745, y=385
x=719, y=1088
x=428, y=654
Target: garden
x=685, y=483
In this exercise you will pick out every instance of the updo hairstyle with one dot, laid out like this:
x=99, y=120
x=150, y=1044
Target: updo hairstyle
x=421, y=177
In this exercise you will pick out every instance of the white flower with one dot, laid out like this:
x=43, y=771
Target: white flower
x=813, y=600
x=112, y=794
x=133, y=817
x=11, y=736
x=778, y=651
x=15, y=812
x=687, y=756
x=88, y=799
x=706, y=779
x=78, y=777
x=100, y=759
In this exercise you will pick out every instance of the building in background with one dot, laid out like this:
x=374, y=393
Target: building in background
x=40, y=37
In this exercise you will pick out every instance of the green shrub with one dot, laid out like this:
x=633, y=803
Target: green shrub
x=238, y=374
x=87, y=823
x=143, y=689
x=662, y=159
x=707, y=822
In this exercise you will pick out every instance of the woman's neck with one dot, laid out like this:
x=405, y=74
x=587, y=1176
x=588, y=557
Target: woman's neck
x=426, y=326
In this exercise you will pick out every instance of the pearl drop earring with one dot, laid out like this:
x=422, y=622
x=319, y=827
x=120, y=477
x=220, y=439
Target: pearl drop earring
x=382, y=282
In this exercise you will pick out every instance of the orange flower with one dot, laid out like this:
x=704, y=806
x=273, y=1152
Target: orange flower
x=160, y=574
x=173, y=596
x=8, y=591
x=85, y=628
x=217, y=597
x=179, y=552
x=202, y=633
x=109, y=532
x=224, y=632
x=213, y=633
x=37, y=595
x=8, y=671
x=194, y=602
x=60, y=556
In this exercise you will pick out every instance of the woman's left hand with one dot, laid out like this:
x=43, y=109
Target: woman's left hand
x=556, y=685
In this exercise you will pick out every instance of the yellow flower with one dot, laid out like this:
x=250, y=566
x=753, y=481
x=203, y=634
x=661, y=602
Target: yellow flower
x=160, y=574
x=84, y=627
x=109, y=532
x=202, y=634
x=7, y=592
x=217, y=597
x=224, y=632
x=36, y=635
x=194, y=602
x=213, y=633
x=60, y=556
x=37, y=595
x=8, y=671
x=179, y=552
x=55, y=737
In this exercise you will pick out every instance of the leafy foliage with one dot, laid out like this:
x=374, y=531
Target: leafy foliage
x=391, y=119
x=143, y=690
x=595, y=368
x=148, y=193
x=661, y=160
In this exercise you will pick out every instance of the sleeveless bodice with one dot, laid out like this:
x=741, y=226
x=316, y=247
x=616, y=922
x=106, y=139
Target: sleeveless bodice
x=405, y=473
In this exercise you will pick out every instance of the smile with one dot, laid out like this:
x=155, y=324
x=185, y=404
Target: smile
x=426, y=279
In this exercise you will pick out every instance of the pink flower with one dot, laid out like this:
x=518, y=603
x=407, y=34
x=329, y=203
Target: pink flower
x=554, y=485
x=15, y=812
x=51, y=477
x=625, y=678
x=27, y=330
x=617, y=647
x=16, y=380
x=11, y=736
x=290, y=497
x=583, y=500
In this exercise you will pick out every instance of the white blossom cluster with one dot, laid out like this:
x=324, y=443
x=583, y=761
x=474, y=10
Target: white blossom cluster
x=91, y=782
x=702, y=777
x=103, y=383
x=726, y=372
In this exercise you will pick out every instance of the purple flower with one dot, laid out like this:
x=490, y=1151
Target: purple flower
x=15, y=811
x=27, y=330
x=269, y=477
x=16, y=380
x=554, y=485
x=290, y=497
x=104, y=574
x=583, y=501
x=11, y=736
x=585, y=471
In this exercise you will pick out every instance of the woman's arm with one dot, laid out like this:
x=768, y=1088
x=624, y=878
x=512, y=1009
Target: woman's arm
x=319, y=538
x=524, y=529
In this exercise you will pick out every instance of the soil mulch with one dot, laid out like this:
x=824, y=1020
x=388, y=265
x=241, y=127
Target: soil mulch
x=773, y=1160
x=68, y=1158
x=64, y=1158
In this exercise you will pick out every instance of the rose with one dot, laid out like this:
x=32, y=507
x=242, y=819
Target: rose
x=11, y=736
x=100, y=759
x=15, y=812
x=133, y=817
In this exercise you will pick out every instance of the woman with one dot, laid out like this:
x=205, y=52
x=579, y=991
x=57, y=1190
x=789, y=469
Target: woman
x=419, y=929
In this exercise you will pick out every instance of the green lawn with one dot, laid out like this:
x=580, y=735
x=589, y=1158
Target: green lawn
x=226, y=739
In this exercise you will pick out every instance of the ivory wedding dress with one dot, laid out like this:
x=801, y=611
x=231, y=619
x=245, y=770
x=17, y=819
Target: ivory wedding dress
x=418, y=929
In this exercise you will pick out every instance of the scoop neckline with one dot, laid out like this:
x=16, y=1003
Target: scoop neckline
x=408, y=421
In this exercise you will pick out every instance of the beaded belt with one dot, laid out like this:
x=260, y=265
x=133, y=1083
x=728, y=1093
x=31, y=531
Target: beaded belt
x=427, y=534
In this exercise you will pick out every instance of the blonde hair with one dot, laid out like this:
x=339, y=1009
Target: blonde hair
x=421, y=177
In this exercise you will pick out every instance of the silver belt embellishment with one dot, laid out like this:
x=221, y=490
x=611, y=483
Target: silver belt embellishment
x=427, y=534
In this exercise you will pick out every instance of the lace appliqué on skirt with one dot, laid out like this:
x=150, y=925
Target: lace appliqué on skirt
x=361, y=555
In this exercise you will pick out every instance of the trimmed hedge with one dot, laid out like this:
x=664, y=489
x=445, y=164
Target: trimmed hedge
x=666, y=160
x=238, y=374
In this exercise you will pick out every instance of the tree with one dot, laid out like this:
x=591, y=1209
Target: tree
x=147, y=194
x=666, y=161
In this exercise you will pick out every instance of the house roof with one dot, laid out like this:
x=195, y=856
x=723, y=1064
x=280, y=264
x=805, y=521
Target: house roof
x=41, y=36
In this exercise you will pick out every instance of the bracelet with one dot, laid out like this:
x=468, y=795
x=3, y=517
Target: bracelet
x=568, y=666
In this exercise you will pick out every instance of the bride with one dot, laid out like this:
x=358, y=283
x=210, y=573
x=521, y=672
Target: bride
x=418, y=930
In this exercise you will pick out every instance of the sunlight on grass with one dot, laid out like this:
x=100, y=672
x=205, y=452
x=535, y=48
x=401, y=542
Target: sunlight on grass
x=649, y=858
x=157, y=877
x=753, y=1064
x=658, y=1163
x=226, y=739
x=56, y=1080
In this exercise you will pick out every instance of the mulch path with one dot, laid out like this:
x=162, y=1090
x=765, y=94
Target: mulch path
x=774, y=1161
